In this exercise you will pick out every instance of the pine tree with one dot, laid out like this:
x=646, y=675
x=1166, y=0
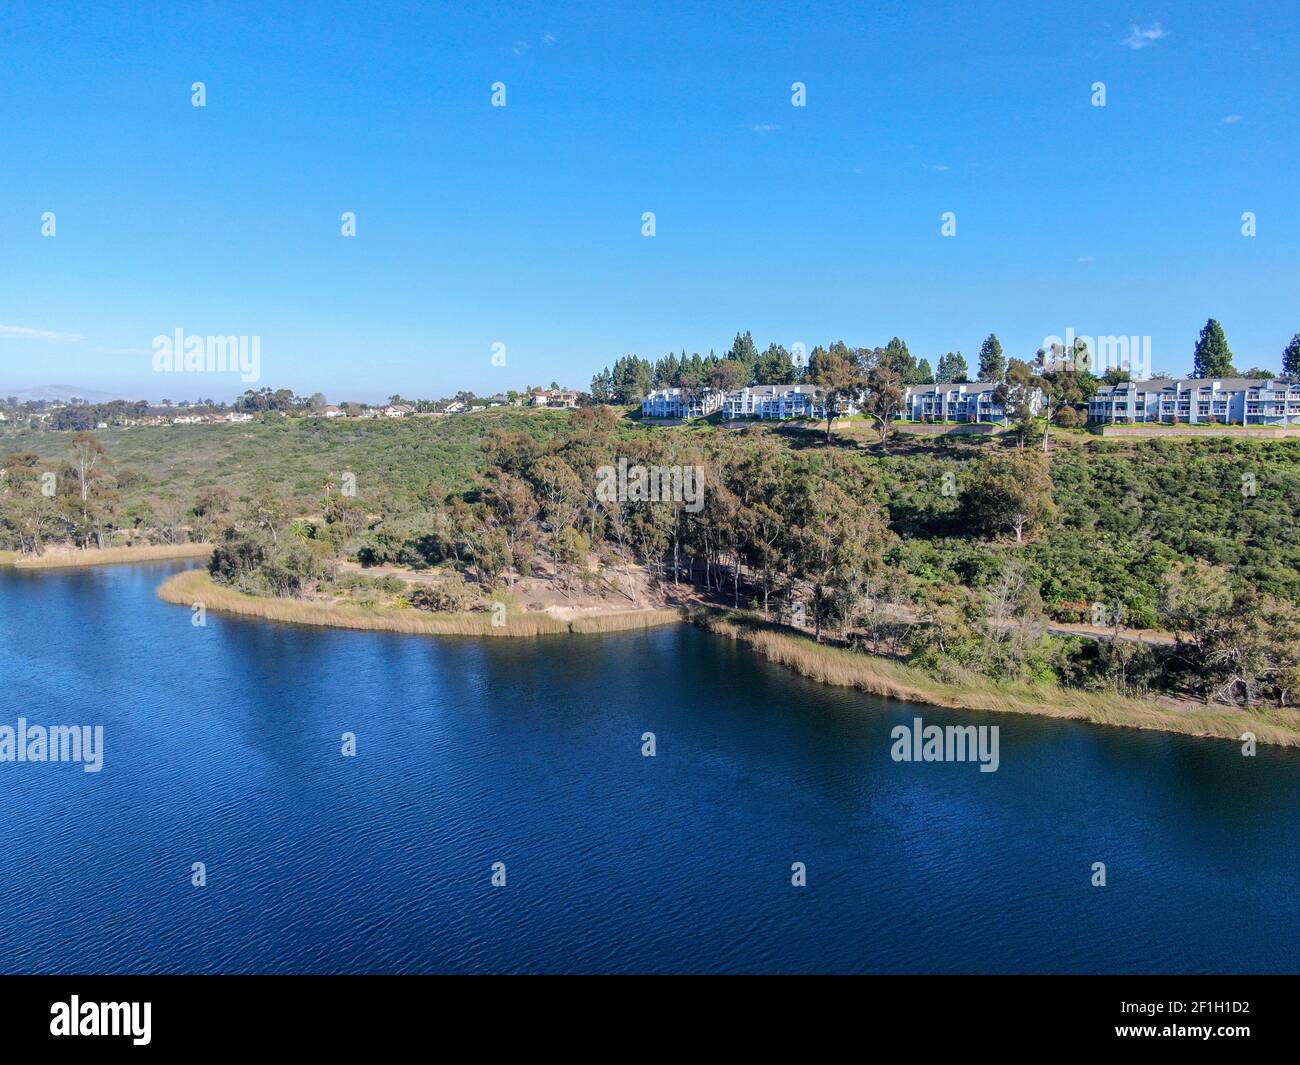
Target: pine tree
x=993, y=364
x=895, y=357
x=775, y=367
x=745, y=352
x=952, y=367
x=1291, y=358
x=1213, y=357
x=667, y=372
x=632, y=379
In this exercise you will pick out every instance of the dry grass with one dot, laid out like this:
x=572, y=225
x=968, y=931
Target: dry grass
x=881, y=676
x=195, y=586
x=108, y=556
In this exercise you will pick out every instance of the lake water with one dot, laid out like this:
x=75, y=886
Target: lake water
x=222, y=746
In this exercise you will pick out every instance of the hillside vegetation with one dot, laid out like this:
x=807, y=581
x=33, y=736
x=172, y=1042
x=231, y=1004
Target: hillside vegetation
x=950, y=553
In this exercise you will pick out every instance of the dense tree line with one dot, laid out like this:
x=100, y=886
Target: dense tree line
x=632, y=378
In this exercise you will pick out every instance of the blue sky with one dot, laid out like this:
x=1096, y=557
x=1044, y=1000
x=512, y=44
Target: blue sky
x=522, y=224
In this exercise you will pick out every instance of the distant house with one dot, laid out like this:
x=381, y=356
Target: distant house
x=681, y=403
x=333, y=412
x=236, y=417
x=187, y=419
x=454, y=407
x=558, y=398
x=398, y=410
x=498, y=400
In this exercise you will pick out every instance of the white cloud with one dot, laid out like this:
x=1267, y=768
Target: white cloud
x=124, y=351
x=547, y=40
x=765, y=127
x=1086, y=259
x=939, y=167
x=1230, y=120
x=21, y=332
x=1140, y=38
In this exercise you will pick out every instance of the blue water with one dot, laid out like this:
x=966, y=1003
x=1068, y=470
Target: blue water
x=222, y=745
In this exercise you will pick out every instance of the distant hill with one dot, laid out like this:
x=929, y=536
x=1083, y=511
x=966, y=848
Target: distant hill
x=61, y=393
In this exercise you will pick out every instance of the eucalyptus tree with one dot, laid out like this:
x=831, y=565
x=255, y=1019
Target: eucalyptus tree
x=839, y=378
x=1009, y=493
x=884, y=401
x=834, y=538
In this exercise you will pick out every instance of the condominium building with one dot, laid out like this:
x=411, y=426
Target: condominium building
x=681, y=403
x=779, y=402
x=960, y=401
x=1273, y=402
x=1199, y=401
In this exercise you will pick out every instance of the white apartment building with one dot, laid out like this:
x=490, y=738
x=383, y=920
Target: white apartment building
x=681, y=403
x=781, y=402
x=960, y=401
x=1273, y=402
x=1199, y=401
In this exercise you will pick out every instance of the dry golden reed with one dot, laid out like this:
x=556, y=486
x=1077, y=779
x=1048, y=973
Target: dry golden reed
x=195, y=586
x=881, y=676
x=105, y=557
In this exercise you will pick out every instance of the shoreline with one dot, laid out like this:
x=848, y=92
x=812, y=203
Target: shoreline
x=894, y=680
x=107, y=556
x=827, y=665
x=196, y=586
